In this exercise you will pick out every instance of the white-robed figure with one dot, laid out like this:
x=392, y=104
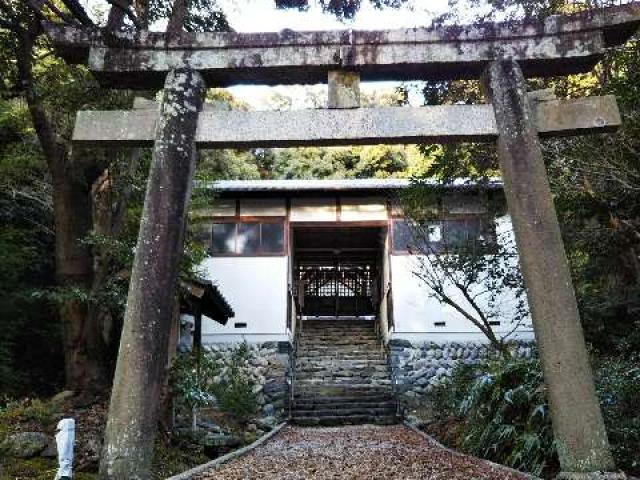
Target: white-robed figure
x=65, y=439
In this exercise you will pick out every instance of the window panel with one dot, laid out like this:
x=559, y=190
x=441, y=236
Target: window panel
x=272, y=238
x=201, y=232
x=247, y=238
x=402, y=236
x=223, y=238
x=456, y=233
x=248, y=241
x=446, y=234
x=435, y=233
x=404, y=239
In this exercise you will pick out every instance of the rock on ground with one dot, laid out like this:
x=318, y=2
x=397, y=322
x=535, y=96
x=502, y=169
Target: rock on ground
x=355, y=452
x=26, y=444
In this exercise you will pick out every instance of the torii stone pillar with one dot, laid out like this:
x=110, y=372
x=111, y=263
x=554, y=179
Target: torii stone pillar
x=578, y=426
x=133, y=413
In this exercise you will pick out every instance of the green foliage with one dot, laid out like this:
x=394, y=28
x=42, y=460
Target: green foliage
x=504, y=412
x=508, y=417
x=342, y=9
x=236, y=387
x=224, y=379
x=595, y=180
x=168, y=462
x=25, y=410
x=26, y=263
x=505, y=415
x=37, y=469
x=202, y=16
x=617, y=380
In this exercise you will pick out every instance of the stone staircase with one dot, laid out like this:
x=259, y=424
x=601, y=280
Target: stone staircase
x=342, y=376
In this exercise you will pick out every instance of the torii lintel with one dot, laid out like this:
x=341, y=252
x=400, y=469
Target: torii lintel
x=559, y=45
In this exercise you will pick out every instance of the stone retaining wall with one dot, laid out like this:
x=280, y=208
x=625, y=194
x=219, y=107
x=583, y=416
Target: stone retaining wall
x=270, y=363
x=419, y=368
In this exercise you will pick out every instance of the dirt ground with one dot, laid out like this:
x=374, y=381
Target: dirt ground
x=355, y=452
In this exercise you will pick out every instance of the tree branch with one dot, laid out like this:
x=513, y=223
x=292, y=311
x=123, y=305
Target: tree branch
x=41, y=123
x=124, y=9
x=79, y=12
x=59, y=13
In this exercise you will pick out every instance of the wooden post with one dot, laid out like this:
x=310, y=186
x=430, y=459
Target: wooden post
x=197, y=331
x=137, y=385
x=577, y=420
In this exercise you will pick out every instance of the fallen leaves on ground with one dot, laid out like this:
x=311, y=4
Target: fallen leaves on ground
x=354, y=453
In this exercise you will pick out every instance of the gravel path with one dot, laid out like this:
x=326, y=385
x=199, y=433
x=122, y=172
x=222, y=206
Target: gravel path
x=354, y=452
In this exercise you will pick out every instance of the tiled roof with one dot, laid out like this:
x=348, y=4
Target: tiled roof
x=335, y=185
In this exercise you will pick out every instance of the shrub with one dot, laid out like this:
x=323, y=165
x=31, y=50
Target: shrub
x=618, y=385
x=236, y=387
x=225, y=379
x=505, y=415
x=24, y=410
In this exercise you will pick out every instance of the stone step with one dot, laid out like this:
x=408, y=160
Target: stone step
x=355, y=390
x=337, y=332
x=340, y=381
x=364, y=329
x=323, y=329
x=373, y=398
x=339, y=343
x=333, y=364
x=342, y=365
x=343, y=362
x=342, y=376
x=307, y=326
x=328, y=357
x=340, y=355
x=344, y=402
x=339, y=411
x=336, y=349
x=338, y=336
x=341, y=322
x=338, y=373
x=311, y=421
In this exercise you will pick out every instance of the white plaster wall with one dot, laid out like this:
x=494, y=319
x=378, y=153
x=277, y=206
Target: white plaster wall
x=415, y=311
x=256, y=289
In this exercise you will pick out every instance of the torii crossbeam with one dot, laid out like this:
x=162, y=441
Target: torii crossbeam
x=502, y=54
x=560, y=45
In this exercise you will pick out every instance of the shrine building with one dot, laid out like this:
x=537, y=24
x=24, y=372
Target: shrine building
x=283, y=252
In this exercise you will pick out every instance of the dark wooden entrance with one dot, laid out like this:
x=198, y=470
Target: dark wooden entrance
x=336, y=270
x=340, y=289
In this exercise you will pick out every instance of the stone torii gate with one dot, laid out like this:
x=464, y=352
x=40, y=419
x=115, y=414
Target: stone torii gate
x=503, y=55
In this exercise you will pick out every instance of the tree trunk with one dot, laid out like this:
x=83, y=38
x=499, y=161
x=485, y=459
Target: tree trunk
x=84, y=370
x=178, y=16
x=85, y=363
x=137, y=386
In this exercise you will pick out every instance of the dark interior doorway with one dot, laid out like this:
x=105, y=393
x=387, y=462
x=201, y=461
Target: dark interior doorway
x=336, y=270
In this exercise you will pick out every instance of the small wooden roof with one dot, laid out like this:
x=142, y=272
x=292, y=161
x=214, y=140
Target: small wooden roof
x=202, y=295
